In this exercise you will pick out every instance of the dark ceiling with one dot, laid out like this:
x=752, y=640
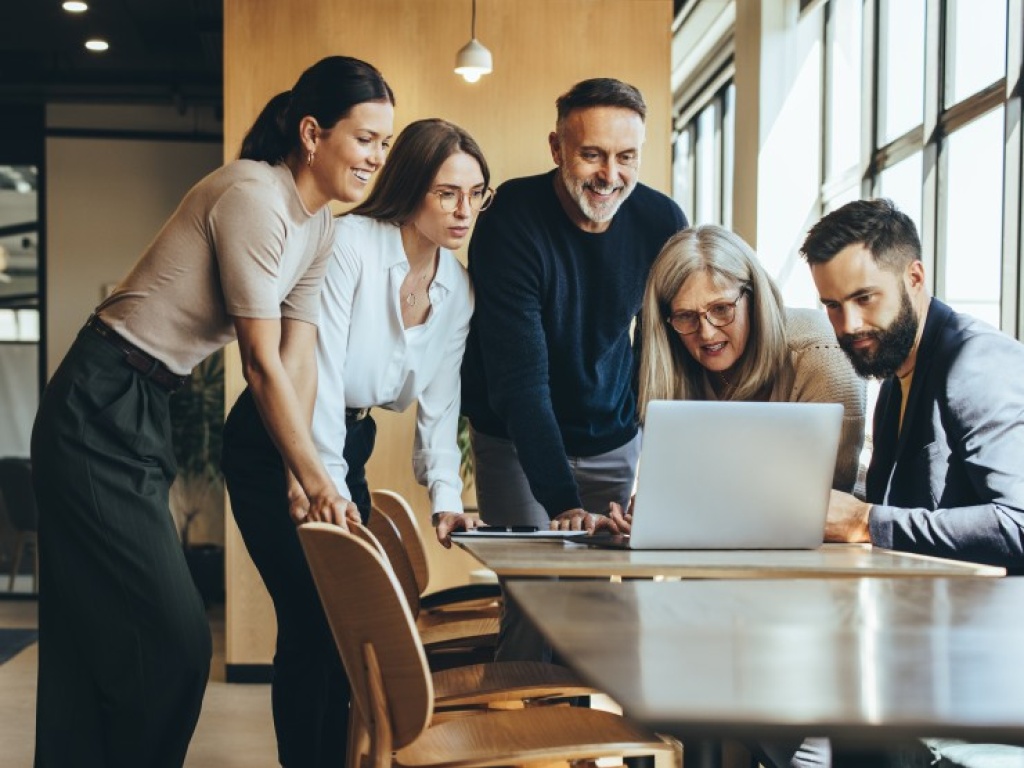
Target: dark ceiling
x=161, y=51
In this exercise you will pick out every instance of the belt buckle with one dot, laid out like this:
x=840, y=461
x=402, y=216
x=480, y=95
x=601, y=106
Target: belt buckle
x=142, y=362
x=175, y=382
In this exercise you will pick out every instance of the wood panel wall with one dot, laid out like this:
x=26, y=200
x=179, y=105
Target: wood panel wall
x=540, y=47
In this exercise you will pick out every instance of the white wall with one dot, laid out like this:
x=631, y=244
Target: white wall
x=19, y=396
x=105, y=201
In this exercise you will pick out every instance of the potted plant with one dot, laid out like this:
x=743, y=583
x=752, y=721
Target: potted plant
x=466, y=466
x=197, y=496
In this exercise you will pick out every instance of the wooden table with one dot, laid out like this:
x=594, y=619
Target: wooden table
x=519, y=558
x=852, y=658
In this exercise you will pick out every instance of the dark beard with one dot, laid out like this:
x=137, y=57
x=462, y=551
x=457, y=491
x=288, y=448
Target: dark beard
x=893, y=344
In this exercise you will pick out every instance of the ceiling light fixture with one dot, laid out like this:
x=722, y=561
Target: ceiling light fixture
x=473, y=60
x=97, y=45
x=74, y=6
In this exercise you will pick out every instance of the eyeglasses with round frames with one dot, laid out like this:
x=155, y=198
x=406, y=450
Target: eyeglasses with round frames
x=718, y=315
x=451, y=199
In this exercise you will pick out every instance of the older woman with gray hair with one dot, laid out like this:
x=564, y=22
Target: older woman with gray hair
x=714, y=328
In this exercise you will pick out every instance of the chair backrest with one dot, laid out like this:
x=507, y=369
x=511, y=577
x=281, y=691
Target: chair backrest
x=374, y=631
x=362, y=533
x=390, y=542
x=401, y=513
x=19, y=495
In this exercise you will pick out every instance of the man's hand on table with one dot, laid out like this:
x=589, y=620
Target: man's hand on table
x=847, y=519
x=448, y=522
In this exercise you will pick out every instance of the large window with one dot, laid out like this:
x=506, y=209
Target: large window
x=19, y=261
x=920, y=102
x=937, y=130
x=702, y=157
x=19, y=306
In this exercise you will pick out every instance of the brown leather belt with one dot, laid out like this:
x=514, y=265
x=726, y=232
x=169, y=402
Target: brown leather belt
x=141, y=361
x=356, y=414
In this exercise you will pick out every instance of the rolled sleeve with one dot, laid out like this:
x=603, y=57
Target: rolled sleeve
x=329, y=431
x=436, y=456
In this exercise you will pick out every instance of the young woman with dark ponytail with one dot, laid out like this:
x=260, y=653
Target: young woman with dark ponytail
x=124, y=647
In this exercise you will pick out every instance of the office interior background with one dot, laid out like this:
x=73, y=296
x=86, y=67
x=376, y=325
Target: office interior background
x=764, y=114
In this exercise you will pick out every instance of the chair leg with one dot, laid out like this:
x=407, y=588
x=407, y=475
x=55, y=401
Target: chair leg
x=358, y=739
x=19, y=548
x=35, y=563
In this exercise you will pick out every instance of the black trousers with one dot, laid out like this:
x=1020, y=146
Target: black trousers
x=310, y=692
x=124, y=644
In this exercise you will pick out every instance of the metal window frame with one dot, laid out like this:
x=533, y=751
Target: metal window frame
x=713, y=93
x=940, y=120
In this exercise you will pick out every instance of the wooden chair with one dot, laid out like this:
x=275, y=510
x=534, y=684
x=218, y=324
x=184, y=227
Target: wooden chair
x=394, y=695
x=450, y=638
x=20, y=500
x=463, y=597
x=491, y=683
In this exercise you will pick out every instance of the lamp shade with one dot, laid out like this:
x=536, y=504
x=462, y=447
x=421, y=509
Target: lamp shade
x=473, y=60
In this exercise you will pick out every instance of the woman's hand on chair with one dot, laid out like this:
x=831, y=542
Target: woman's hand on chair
x=327, y=507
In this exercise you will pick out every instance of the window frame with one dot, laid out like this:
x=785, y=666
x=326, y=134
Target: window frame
x=939, y=121
x=718, y=93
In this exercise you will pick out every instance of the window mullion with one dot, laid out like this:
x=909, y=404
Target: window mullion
x=1013, y=175
x=719, y=101
x=874, y=119
x=728, y=152
x=972, y=107
x=828, y=82
x=934, y=201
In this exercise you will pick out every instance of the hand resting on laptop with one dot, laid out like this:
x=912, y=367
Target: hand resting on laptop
x=616, y=521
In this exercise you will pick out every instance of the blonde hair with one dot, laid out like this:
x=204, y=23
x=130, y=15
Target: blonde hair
x=667, y=370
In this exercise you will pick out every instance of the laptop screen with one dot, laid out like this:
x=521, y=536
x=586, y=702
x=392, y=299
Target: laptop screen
x=735, y=475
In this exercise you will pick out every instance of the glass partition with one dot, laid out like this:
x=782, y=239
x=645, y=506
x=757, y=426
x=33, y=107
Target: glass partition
x=19, y=366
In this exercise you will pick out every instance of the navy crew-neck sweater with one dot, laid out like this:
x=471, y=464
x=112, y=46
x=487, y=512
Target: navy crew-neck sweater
x=549, y=361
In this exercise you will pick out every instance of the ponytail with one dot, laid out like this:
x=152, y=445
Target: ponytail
x=327, y=92
x=266, y=140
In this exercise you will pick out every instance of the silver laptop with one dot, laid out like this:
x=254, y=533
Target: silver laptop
x=730, y=475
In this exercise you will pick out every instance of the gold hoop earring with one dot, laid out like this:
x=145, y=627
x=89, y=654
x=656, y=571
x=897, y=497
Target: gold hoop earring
x=309, y=158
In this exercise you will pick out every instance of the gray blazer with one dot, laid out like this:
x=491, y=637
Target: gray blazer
x=952, y=482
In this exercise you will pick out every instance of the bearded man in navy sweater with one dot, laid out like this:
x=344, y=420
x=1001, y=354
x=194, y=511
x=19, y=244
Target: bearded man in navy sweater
x=559, y=263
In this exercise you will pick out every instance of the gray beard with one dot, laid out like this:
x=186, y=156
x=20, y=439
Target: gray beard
x=577, y=191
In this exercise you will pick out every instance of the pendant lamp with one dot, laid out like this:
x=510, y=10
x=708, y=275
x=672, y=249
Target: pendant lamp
x=473, y=59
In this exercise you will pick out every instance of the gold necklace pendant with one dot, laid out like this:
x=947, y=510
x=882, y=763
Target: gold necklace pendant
x=410, y=300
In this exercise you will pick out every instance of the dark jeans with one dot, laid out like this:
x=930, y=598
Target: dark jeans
x=310, y=693
x=124, y=644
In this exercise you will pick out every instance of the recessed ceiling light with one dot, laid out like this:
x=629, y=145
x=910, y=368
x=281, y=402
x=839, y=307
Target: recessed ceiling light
x=97, y=45
x=75, y=6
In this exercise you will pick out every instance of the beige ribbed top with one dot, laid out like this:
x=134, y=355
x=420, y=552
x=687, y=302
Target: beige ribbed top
x=240, y=244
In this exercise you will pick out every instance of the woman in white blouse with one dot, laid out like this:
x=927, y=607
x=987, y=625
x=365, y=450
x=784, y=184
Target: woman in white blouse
x=395, y=312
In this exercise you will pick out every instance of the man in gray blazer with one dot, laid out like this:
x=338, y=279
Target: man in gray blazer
x=947, y=469
x=947, y=466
